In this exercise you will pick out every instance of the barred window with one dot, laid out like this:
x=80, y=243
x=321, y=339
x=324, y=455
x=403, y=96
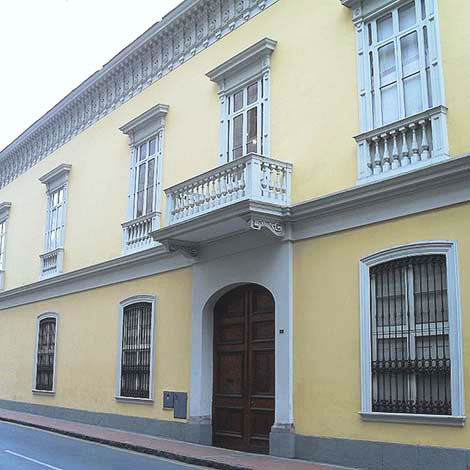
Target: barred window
x=136, y=350
x=411, y=364
x=46, y=354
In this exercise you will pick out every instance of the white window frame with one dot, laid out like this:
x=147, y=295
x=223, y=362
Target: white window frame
x=141, y=130
x=449, y=249
x=4, y=218
x=122, y=305
x=41, y=317
x=55, y=180
x=236, y=74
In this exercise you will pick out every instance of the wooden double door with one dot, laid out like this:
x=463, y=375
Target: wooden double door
x=244, y=368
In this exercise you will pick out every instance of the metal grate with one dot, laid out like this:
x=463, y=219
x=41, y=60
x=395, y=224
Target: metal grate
x=410, y=336
x=136, y=350
x=45, y=355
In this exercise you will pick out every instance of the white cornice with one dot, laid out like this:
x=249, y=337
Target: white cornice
x=156, y=113
x=256, y=53
x=60, y=172
x=187, y=30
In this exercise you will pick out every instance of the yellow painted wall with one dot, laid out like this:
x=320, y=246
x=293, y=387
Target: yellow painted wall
x=327, y=362
x=87, y=346
x=314, y=116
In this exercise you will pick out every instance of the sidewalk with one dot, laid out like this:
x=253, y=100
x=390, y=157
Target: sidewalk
x=209, y=457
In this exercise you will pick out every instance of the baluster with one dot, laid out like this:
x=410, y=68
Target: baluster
x=224, y=186
x=405, y=159
x=271, y=181
x=377, y=160
x=395, y=152
x=229, y=184
x=242, y=178
x=414, y=144
x=425, y=154
x=191, y=198
x=184, y=195
x=386, y=157
x=264, y=183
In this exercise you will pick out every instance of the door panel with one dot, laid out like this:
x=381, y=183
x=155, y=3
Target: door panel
x=244, y=369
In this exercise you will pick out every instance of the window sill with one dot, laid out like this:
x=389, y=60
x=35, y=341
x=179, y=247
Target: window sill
x=43, y=392
x=137, y=401
x=402, y=418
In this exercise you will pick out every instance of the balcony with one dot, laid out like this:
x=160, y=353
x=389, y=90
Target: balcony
x=250, y=193
x=52, y=263
x=136, y=233
x=405, y=145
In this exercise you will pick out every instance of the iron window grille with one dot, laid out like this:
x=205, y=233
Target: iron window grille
x=411, y=365
x=46, y=355
x=136, y=350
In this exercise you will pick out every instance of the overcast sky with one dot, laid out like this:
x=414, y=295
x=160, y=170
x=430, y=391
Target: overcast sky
x=48, y=47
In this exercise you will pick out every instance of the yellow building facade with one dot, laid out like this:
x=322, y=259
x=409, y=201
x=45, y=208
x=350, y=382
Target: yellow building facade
x=250, y=229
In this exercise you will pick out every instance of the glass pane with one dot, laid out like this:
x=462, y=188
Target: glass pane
x=140, y=191
x=413, y=99
x=407, y=16
x=141, y=178
x=253, y=93
x=385, y=27
x=409, y=54
x=389, y=104
x=369, y=33
x=143, y=152
x=423, y=9
x=252, y=134
x=238, y=101
x=238, y=136
x=152, y=146
x=55, y=199
x=387, y=64
x=149, y=207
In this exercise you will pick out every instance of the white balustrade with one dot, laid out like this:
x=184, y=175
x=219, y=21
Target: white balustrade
x=136, y=233
x=404, y=145
x=250, y=177
x=52, y=262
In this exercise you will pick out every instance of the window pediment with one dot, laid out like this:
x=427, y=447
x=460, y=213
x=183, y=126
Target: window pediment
x=243, y=67
x=145, y=125
x=56, y=177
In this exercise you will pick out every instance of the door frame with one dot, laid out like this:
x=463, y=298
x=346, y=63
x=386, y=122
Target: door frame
x=271, y=267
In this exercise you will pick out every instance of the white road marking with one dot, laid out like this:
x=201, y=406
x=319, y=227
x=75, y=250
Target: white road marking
x=33, y=460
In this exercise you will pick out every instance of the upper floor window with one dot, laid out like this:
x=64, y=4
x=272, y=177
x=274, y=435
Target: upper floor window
x=145, y=193
x=136, y=348
x=146, y=176
x=244, y=90
x=57, y=191
x=403, y=119
x=4, y=214
x=46, y=352
x=399, y=63
x=414, y=338
x=245, y=121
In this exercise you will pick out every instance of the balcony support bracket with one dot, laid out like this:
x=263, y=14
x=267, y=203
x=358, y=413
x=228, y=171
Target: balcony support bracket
x=273, y=227
x=187, y=249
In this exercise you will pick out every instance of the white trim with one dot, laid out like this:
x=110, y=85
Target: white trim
x=148, y=298
x=432, y=247
x=402, y=418
x=4, y=218
x=39, y=318
x=56, y=177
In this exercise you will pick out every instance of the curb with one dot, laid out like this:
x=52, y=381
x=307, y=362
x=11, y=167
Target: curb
x=135, y=448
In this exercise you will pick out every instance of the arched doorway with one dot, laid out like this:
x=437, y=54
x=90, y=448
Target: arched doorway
x=244, y=369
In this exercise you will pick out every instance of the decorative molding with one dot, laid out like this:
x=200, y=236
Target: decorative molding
x=52, y=263
x=56, y=177
x=256, y=58
x=186, y=31
x=148, y=123
x=432, y=420
x=275, y=227
x=187, y=249
x=124, y=268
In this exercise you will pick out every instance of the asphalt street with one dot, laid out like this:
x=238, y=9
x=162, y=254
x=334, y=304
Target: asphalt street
x=23, y=448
